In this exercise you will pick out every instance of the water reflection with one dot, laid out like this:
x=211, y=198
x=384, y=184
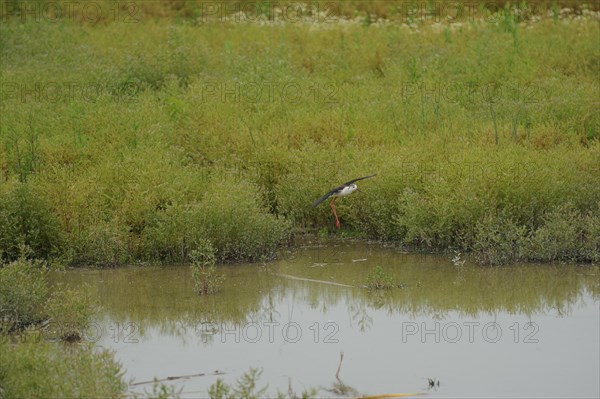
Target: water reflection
x=430, y=286
x=535, y=325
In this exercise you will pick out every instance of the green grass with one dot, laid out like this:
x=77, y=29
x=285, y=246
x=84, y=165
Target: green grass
x=28, y=300
x=204, y=270
x=32, y=366
x=39, y=369
x=378, y=279
x=246, y=387
x=173, y=146
x=24, y=292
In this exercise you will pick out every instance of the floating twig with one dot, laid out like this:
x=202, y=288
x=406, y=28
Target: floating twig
x=178, y=377
x=313, y=281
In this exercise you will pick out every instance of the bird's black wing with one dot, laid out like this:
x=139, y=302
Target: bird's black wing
x=360, y=178
x=323, y=198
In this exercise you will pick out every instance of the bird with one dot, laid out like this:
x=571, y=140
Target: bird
x=341, y=191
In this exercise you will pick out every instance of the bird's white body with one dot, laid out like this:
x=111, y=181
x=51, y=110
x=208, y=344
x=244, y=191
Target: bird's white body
x=341, y=191
x=347, y=190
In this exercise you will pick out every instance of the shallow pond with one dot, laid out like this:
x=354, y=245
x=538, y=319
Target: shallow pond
x=518, y=331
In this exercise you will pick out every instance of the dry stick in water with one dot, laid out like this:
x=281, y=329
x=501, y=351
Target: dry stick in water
x=337, y=373
x=339, y=387
x=217, y=372
x=313, y=281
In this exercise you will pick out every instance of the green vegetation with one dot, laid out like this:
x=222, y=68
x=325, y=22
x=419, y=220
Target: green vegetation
x=153, y=134
x=566, y=235
x=27, y=219
x=161, y=300
x=378, y=279
x=204, y=270
x=71, y=310
x=484, y=134
x=27, y=299
x=161, y=390
x=247, y=388
x=24, y=292
x=37, y=369
x=30, y=365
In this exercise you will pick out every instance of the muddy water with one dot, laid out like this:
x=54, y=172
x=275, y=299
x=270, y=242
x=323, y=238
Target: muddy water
x=519, y=331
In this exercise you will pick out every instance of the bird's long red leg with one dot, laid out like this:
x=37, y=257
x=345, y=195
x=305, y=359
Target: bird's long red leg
x=332, y=205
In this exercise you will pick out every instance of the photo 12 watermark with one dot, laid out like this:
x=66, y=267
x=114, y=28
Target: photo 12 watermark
x=66, y=92
x=291, y=332
x=130, y=332
x=92, y=12
x=269, y=92
x=269, y=332
x=438, y=11
x=470, y=92
x=469, y=331
x=92, y=332
x=518, y=172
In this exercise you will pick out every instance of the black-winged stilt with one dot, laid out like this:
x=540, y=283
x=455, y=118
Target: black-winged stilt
x=341, y=191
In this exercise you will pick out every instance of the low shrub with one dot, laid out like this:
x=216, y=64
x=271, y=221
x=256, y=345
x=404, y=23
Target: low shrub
x=26, y=299
x=378, y=279
x=71, y=310
x=26, y=218
x=237, y=225
x=564, y=234
x=229, y=215
x=204, y=271
x=23, y=294
x=103, y=243
x=40, y=369
x=499, y=240
x=568, y=235
x=246, y=387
